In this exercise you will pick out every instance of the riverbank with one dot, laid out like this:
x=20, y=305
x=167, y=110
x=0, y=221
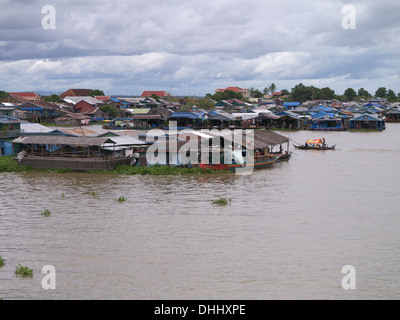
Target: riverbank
x=7, y=164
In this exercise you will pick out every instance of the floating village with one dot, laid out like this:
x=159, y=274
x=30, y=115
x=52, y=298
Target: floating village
x=60, y=134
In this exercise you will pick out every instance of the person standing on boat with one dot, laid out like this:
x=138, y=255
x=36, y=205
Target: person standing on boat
x=323, y=142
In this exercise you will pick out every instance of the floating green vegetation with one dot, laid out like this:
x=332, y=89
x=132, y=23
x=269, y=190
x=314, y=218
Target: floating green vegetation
x=7, y=164
x=363, y=130
x=46, y=213
x=122, y=199
x=221, y=202
x=2, y=262
x=63, y=195
x=24, y=272
x=94, y=194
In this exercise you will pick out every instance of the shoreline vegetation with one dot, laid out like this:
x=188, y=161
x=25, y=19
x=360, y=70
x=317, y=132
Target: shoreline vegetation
x=9, y=165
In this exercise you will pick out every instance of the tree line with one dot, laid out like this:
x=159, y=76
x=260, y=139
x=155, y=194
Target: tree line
x=302, y=93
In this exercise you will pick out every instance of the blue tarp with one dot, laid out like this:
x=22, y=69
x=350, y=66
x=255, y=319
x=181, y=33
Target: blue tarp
x=184, y=115
x=322, y=114
x=374, y=105
x=291, y=104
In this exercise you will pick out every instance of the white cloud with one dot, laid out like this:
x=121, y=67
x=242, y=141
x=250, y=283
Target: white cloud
x=199, y=45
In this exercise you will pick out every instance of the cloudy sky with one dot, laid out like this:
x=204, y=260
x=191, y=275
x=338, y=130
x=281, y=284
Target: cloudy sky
x=189, y=47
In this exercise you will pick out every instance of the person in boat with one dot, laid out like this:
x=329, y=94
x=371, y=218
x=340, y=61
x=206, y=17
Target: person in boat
x=323, y=142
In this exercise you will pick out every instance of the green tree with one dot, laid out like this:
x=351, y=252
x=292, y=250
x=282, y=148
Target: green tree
x=362, y=93
x=301, y=93
x=53, y=98
x=272, y=88
x=266, y=90
x=227, y=95
x=391, y=96
x=155, y=97
x=257, y=93
x=327, y=93
x=97, y=93
x=350, y=94
x=251, y=92
x=3, y=94
x=285, y=92
x=381, y=92
x=205, y=104
x=110, y=110
x=315, y=93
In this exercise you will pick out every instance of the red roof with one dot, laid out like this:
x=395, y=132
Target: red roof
x=157, y=93
x=24, y=94
x=103, y=98
x=235, y=89
x=277, y=93
x=76, y=93
x=85, y=107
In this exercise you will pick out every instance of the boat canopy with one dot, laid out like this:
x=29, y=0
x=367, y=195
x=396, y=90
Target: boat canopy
x=314, y=141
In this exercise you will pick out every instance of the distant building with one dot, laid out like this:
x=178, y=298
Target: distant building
x=245, y=92
x=76, y=93
x=161, y=94
x=29, y=96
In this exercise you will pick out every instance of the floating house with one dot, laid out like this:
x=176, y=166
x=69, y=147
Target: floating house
x=326, y=122
x=393, y=115
x=209, y=147
x=186, y=119
x=288, y=120
x=366, y=121
x=61, y=152
x=10, y=128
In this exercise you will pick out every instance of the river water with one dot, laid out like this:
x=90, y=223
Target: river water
x=287, y=233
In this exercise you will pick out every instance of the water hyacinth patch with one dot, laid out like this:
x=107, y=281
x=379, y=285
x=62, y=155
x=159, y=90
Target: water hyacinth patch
x=46, y=213
x=122, y=199
x=24, y=272
x=221, y=202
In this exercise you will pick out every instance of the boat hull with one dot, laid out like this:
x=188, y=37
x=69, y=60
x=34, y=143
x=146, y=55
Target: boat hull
x=315, y=148
x=328, y=129
x=261, y=164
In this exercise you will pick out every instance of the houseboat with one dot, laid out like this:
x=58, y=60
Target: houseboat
x=326, y=123
x=62, y=152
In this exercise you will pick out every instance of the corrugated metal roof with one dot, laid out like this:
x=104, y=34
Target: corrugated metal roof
x=126, y=141
x=270, y=137
x=88, y=99
x=61, y=140
x=7, y=119
x=34, y=128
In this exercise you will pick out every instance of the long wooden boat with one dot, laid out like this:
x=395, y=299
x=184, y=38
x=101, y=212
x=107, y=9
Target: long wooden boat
x=259, y=163
x=303, y=147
